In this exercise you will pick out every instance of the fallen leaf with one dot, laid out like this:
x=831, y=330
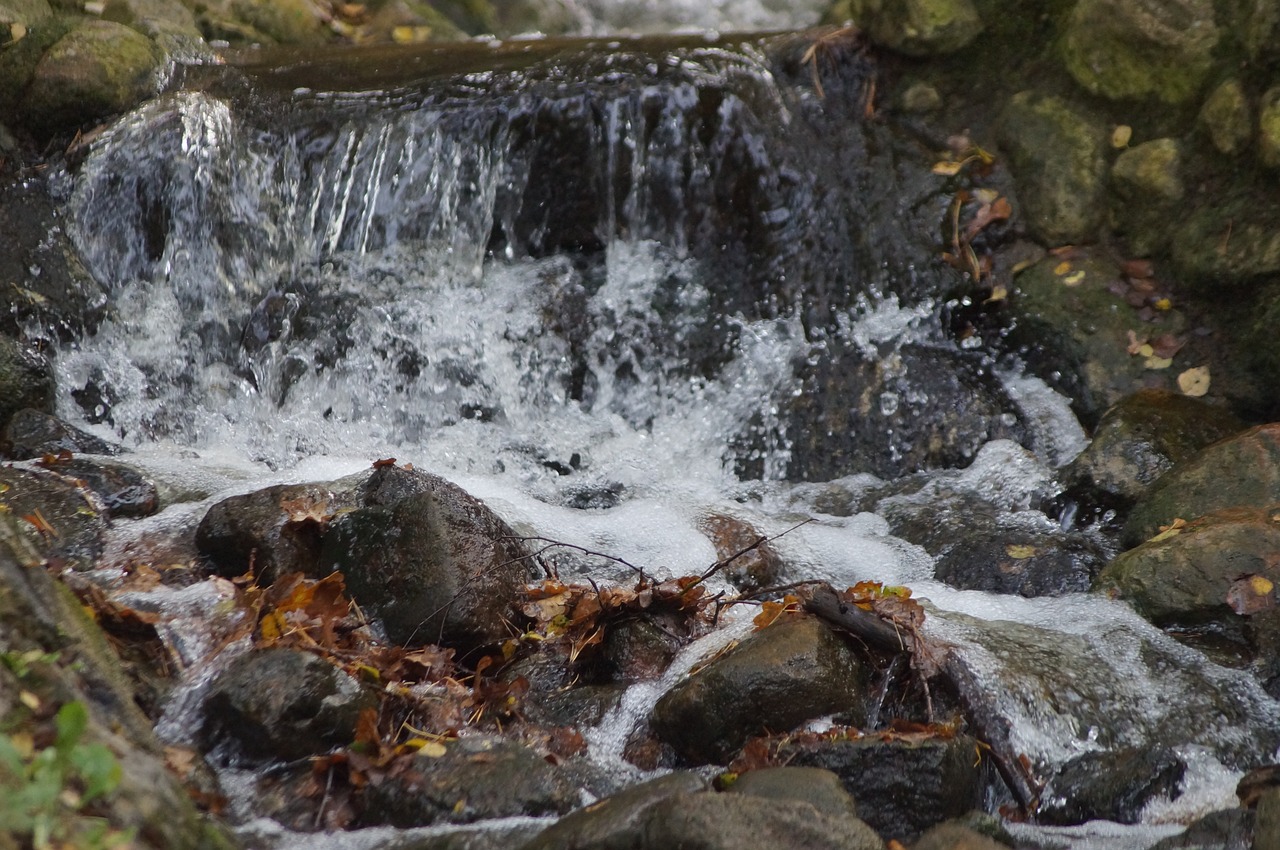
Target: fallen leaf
x=1020, y=551
x=1074, y=279
x=1173, y=529
x=1121, y=135
x=1251, y=594
x=1154, y=362
x=1062, y=268
x=947, y=168
x=1194, y=382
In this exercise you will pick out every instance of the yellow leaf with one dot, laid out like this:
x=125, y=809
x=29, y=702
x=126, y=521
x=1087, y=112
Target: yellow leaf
x=1194, y=382
x=1158, y=362
x=947, y=169
x=430, y=749
x=30, y=700
x=1163, y=304
x=1121, y=135
x=1062, y=268
x=272, y=627
x=1261, y=585
x=1145, y=350
x=1074, y=279
x=1173, y=529
x=1019, y=551
x=998, y=293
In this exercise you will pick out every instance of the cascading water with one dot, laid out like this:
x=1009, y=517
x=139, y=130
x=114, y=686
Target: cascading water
x=588, y=290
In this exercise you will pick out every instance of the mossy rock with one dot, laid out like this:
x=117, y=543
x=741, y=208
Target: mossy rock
x=1056, y=154
x=1226, y=117
x=918, y=27
x=98, y=69
x=18, y=62
x=1269, y=128
x=1125, y=50
x=1147, y=181
x=1230, y=239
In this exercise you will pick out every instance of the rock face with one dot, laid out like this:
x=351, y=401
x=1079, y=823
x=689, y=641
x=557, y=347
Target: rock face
x=1188, y=577
x=902, y=788
x=1241, y=471
x=476, y=778
x=283, y=703
x=1159, y=49
x=1055, y=151
x=419, y=553
x=781, y=676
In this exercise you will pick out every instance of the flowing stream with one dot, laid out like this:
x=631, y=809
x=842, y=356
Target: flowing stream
x=582, y=280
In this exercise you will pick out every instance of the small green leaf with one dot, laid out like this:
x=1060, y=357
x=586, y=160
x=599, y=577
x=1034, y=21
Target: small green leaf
x=71, y=722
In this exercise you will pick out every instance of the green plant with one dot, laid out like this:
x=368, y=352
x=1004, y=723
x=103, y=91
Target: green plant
x=46, y=794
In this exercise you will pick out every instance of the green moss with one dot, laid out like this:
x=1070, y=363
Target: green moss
x=1269, y=128
x=1225, y=117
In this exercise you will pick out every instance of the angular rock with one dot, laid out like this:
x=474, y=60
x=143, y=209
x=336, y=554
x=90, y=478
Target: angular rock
x=902, y=787
x=1056, y=153
x=1187, y=577
x=918, y=27
x=1113, y=785
x=819, y=788
x=1160, y=49
x=775, y=679
x=919, y=407
x=710, y=821
x=1241, y=470
x=281, y=703
x=26, y=380
x=476, y=778
x=618, y=820
x=1226, y=117
x=100, y=68
x=33, y=433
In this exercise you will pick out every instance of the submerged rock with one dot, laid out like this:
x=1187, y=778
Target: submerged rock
x=777, y=678
x=1243, y=470
x=1161, y=49
x=476, y=778
x=281, y=703
x=902, y=787
x=1114, y=785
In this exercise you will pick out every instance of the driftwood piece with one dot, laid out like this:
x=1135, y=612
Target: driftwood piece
x=822, y=601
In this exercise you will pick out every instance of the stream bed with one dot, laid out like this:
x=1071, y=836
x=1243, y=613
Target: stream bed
x=610, y=288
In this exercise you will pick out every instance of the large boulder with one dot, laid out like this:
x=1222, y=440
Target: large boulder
x=779, y=677
x=419, y=553
x=98, y=69
x=1160, y=49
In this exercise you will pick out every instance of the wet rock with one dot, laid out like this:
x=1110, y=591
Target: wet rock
x=902, y=787
x=281, y=703
x=59, y=522
x=953, y=835
x=917, y=27
x=1186, y=578
x=1073, y=328
x=1112, y=785
x=419, y=553
x=122, y=490
x=915, y=408
x=476, y=778
x=169, y=23
x=640, y=649
x=33, y=433
x=1056, y=154
x=1241, y=470
x=749, y=570
x=100, y=68
x=819, y=788
x=618, y=820
x=1253, y=222
x=17, y=16
x=710, y=821
x=1226, y=117
x=1140, y=438
x=246, y=22
x=1159, y=49
x=1266, y=829
x=26, y=379
x=1229, y=829
x=258, y=531
x=435, y=566
x=778, y=677
x=1269, y=128
x=39, y=616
